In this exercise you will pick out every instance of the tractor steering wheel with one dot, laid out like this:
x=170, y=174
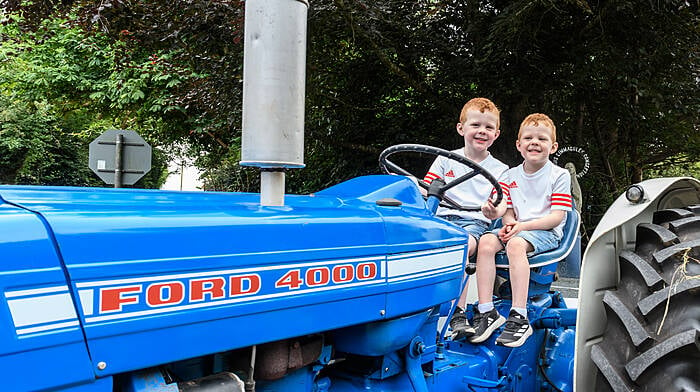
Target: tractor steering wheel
x=392, y=168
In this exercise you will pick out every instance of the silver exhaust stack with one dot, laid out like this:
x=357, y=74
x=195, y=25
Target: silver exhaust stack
x=274, y=76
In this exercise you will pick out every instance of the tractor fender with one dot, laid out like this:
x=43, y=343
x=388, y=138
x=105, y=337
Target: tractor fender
x=600, y=270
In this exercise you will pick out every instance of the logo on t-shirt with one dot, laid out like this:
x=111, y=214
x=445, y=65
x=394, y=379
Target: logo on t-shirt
x=512, y=185
x=450, y=174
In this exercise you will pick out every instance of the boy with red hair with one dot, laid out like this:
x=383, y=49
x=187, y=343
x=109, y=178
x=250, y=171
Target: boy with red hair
x=537, y=197
x=479, y=124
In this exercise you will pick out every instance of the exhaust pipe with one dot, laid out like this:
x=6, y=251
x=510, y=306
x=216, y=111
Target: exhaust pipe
x=274, y=77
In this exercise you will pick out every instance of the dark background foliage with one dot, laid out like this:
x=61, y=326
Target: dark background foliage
x=619, y=78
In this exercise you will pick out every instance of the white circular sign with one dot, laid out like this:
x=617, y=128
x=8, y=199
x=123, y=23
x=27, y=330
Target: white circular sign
x=582, y=156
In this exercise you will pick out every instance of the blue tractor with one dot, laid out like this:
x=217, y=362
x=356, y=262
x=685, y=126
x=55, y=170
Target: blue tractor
x=341, y=290
x=347, y=289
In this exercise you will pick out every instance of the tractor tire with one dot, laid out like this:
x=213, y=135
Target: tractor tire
x=659, y=289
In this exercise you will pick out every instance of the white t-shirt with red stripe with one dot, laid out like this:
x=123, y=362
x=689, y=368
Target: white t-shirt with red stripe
x=533, y=196
x=471, y=193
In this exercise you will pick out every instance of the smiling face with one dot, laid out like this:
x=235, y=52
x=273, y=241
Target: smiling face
x=535, y=144
x=479, y=131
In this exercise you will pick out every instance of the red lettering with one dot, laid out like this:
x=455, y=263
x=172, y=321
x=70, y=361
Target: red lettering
x=343, y=273
x=212, y=286
x=167, y=293
x=366, y=271
x=291, y=280
x=244, y=284
x=318, y=276
x=112, y=299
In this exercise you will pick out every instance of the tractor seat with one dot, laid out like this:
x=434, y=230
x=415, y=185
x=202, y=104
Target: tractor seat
x=543, y=266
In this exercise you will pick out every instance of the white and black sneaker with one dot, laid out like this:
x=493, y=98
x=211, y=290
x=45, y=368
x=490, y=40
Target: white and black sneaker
x=460, y=325
x=516, y=332
x=485, y=324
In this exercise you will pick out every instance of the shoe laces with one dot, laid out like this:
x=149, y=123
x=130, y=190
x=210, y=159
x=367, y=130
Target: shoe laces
x=515, y=321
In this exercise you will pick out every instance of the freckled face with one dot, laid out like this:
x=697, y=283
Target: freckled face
x=479, y=130
x=535, y=144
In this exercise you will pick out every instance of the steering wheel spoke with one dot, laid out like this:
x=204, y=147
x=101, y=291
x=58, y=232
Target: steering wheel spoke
x=461, y=179
x=393, y=168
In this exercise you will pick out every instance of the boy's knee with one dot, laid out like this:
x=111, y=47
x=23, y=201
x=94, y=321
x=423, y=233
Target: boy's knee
x=517, y=246
x=489, y=243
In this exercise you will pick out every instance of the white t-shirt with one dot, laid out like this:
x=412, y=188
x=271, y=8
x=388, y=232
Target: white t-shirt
x=473, y=192
x=533, y=196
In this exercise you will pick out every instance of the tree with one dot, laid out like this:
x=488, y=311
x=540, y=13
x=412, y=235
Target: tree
x=61, y=87
x=618, y=77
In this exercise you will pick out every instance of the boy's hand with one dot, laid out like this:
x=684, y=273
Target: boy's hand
x=504, y=230
x=509, y=230
x=489, y=210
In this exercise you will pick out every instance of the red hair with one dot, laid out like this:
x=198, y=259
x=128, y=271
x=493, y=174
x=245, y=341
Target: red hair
x=539, y=119
x=482, y=105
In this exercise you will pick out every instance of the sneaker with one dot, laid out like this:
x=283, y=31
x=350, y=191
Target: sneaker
x=516, y=332
x=485, y=324
x=460, y=325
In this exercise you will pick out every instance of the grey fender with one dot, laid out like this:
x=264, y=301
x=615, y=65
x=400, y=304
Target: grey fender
x=600, y=267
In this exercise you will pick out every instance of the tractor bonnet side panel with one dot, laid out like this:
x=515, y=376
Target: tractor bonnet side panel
x=165, y=276
x=40, y=338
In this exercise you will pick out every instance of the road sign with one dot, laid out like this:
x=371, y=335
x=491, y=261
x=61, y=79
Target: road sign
x=120, y=157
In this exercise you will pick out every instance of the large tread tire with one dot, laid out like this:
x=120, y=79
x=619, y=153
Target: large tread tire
x=661, y=271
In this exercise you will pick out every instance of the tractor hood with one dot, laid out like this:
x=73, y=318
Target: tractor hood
x=222, y=271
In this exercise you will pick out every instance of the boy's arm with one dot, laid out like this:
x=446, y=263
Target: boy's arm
x=561, y=203
x=436, y=171
x=509, y=217
x=491, y=211
x=511, y=228
x=494, y=212
x=546, y=222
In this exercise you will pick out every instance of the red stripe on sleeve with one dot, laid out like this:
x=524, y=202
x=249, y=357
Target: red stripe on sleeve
x=429, y=177
x=562, y=204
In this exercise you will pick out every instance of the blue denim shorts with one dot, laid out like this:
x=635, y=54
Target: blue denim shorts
x=475, y=228
x=541, y=240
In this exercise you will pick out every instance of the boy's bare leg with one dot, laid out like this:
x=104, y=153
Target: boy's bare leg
x=462, y=302
x=486, y=319
x=519, y=269
x=489, y=245
x=459, y=323
x=518, y=328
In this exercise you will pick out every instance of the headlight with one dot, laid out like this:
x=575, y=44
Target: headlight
x=635, y=194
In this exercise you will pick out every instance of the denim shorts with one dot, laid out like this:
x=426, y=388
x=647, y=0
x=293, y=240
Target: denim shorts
x=541, y=240
x=474, y=227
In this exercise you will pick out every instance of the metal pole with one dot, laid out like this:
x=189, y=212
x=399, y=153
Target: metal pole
x=118, y=161
x=272, y=187
x=250, y=382
x=182, y=172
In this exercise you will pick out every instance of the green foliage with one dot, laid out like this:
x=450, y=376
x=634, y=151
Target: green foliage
x=619, y=78
x=35, y=150
x=60, y=87
x=202, y=41
x=683, y=168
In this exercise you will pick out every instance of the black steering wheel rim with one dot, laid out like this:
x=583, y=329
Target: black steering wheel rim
x=392, y=168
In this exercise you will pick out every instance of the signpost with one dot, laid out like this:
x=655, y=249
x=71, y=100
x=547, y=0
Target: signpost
x=120, y=157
